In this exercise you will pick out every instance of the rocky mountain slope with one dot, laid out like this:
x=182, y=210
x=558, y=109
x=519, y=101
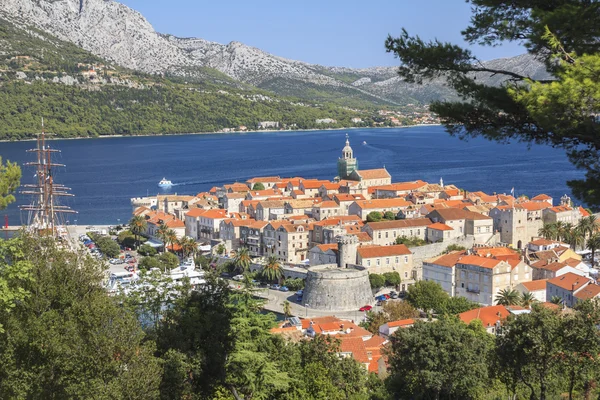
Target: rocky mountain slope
x=115, y=32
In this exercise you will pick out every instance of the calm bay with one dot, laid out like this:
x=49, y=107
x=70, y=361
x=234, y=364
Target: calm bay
x=105, y=173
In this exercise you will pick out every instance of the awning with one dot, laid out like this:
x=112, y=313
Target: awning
x=154, y=243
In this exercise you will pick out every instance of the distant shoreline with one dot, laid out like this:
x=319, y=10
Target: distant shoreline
x=219, y=133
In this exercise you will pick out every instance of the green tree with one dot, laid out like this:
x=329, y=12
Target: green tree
x=441, y=359
x=391, y=278
x=558, y=111
x=272, y=269
x=168, y=260
x=242, y=260
x=147, y=263
x=146, y=250
x=10, y=179
x=374, y=216
x=391, y=311
x=508, y=297
x=189, y=247
x=390, y=216
x=593, y=244
x=161, y=232
x=258, y=186
x=426, y=295
x=527, y=300
x=138, y=226
x=377, y=281
x=528, y=350
x=456, y=305
x=454, y=247
x=287, y=309
x=410, y=241
x=68, y=338
x=170, y=238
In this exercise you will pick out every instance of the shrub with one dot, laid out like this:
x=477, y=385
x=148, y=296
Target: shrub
x=258, y=186
x=147, y=250
x=389, y=216
x=294, y=283
x=377, y=281
x=374, y=216
x=147, y=263
x=168, y=260
x=391, y=278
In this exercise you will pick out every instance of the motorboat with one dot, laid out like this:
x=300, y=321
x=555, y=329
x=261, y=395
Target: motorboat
x=364, y=143
x=165, y=183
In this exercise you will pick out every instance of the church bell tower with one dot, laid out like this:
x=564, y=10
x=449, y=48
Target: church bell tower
x=347, y=163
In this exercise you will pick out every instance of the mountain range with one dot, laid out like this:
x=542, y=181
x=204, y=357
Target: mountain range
x=117, y=33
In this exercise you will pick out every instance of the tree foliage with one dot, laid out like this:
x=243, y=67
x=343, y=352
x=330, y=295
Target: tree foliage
x=10, y=179
x=559, y=109
x=442, y=359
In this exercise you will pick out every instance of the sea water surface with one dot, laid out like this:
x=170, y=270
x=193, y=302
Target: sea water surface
x=106, y=173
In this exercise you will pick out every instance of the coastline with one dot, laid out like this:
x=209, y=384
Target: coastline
x=221, y=133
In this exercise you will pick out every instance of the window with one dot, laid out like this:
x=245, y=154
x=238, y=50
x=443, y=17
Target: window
x=405, y=274
x=405, y=259
x=378, y=262
x=368, y=263
x=386, y=235
x=379, y=235
x=397, y=261
x=387, y=261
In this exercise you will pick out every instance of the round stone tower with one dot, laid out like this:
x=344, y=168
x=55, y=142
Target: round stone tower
x=330, y=288
x=347, y=249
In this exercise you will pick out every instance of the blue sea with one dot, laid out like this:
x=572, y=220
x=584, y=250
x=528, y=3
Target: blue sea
x=105, y=173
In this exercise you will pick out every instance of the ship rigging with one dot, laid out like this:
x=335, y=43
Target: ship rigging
x=46, y=215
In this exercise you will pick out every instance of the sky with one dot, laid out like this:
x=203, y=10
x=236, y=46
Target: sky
x=347, y=33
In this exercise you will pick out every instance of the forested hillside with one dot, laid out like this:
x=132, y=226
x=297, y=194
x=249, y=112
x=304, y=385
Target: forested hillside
x=79, y=94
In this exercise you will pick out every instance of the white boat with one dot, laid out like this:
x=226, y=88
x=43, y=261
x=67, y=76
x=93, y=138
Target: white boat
x=364, y=142
x=165, y=183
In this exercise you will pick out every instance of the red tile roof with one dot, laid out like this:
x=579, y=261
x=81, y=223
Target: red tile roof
x=383, y=251
x=588, y=292
x=487, y=315
x=438, y=226
x=195, y=212
x=482, y=262
x=534, y=286
x=379, y=173
x=402, y=186
x=541, y=197
x=400, y=323
x=447, y=260
x=569, y=281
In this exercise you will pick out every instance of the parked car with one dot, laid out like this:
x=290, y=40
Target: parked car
x=284, y=289
x=394, y=295
x=238, y=278
x=365, y=308
x=381, y=298
x=275, y=287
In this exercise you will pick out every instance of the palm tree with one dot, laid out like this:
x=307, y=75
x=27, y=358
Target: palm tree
x=287, y=309
x=272, y=269
x=576, y=237
x=527, y=299
x=548, y=231
x=138, y=226
x=170, y=237
x=161, y=232
x=589, y=225
x=508, y=297
x=188, y=246
x=556, y=300
x=593, y=244
x=242, y=260
x=565, y=231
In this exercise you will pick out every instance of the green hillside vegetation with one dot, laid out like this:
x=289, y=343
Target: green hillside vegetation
x=123, y=102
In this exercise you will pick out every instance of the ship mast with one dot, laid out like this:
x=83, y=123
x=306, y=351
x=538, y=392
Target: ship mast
x=45, y=213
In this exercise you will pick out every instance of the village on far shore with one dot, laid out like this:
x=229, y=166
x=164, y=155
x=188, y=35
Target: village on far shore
x=335, y=235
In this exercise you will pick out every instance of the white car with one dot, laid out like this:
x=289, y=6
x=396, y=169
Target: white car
x=238, y=278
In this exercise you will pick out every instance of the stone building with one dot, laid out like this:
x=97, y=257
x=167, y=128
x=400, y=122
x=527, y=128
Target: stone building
x=395, y=258
x=384, y=233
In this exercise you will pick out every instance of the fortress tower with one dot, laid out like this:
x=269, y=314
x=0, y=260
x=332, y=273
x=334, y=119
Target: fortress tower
x=347, y=163
x=347, y=249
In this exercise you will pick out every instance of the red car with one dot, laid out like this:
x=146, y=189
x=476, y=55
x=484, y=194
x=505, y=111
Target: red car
x=365, y=308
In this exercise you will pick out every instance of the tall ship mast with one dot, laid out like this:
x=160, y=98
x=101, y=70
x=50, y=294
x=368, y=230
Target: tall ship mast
x=46, y=215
